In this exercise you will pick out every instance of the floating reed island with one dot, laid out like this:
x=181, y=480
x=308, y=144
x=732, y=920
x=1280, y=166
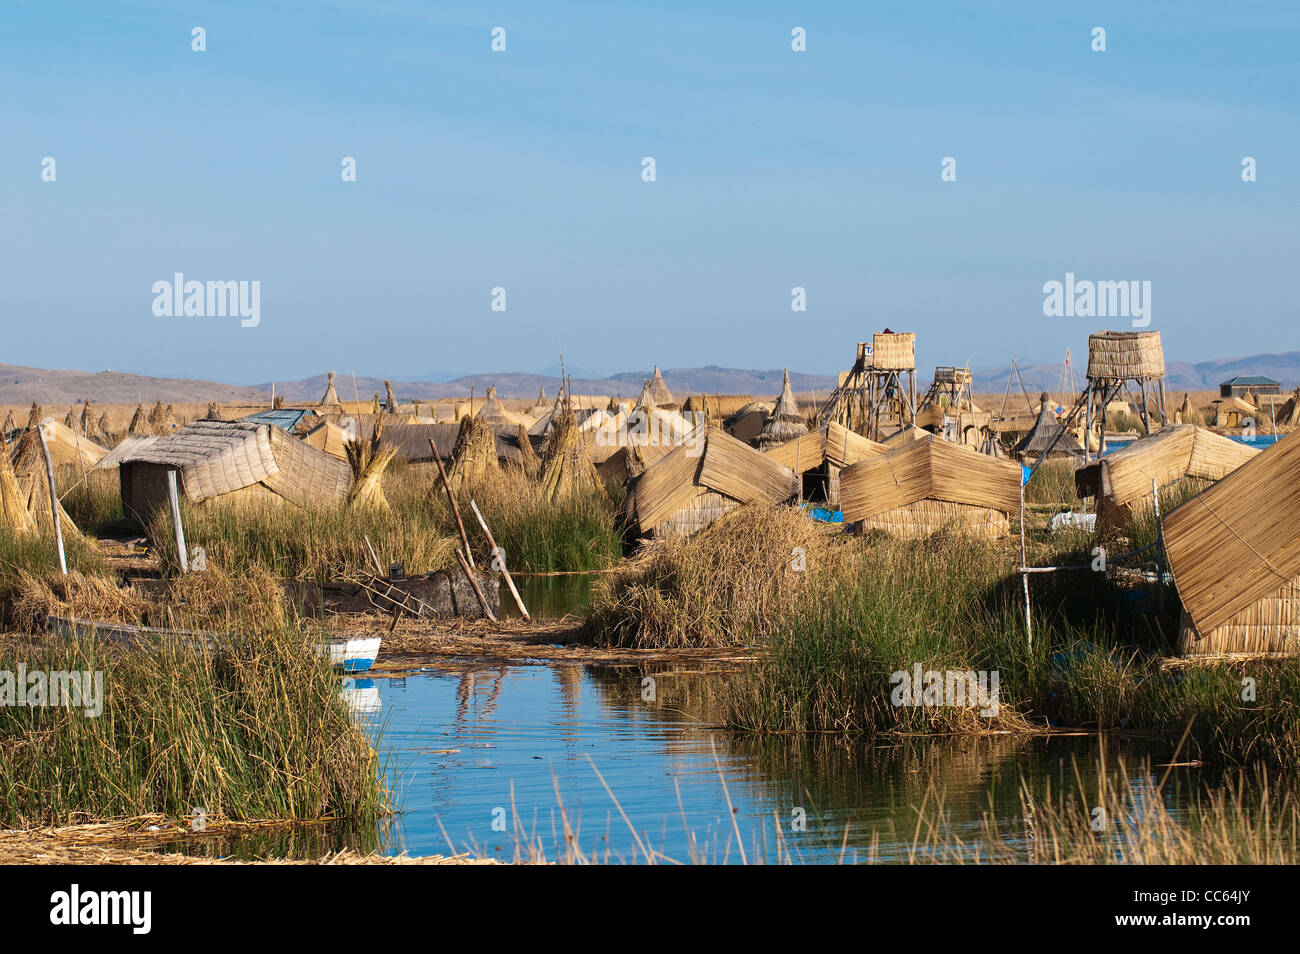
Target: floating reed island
x=842, y=537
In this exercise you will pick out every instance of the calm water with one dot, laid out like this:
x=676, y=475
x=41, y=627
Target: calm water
x=517, y=745
x=548, y=597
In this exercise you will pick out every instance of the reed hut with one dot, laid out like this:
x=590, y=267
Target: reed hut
x=494, y=412
x=239, y=462
x=1235, y=412
x=1048, y=438
x=1121, y=482
x=660, y=396
x=819, y=456
x=748, y=422
x=785, y=422
x=917, y=489
x=329, y=437
x=697, y=482
x=1234, y=550
x=330, y=398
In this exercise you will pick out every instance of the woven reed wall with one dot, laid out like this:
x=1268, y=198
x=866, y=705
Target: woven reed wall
x=1125, y=354
x=1270, y=625
x=893, y=352
x=926, y=517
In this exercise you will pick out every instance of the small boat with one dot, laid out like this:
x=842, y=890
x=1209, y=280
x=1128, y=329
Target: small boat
x=352, y=653
x=348, y=654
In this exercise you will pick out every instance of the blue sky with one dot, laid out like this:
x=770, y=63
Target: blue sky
x=522, y=169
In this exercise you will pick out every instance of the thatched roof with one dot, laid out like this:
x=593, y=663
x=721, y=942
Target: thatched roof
x=1169, y=455
x=893, y=350
x=660, y=396
x=1046, y=430
x=712, y=462
x=128, y=446
x=785, y=423
x=1120, y=355
x=931, y=469
x=831, y=443
x=1238, y=542
x=220, y=457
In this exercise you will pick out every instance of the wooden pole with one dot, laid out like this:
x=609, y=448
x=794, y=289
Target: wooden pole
x=55, y=507
x=451, y=498
x=176, y=521
x=500, y=555
x=482, y=600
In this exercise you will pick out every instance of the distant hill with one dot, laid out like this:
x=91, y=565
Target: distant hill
x=21, y=385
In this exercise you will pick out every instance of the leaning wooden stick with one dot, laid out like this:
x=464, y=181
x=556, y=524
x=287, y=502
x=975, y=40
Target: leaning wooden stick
x=482, y=600
x=455, y=510
x=501, y=558
x=55, y=506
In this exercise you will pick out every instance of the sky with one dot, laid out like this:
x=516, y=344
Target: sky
x=522, y=169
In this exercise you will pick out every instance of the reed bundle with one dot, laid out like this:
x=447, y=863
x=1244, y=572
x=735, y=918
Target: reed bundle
x=139, y=426
x=474, y=456
x=566, y=469
x=368, y=460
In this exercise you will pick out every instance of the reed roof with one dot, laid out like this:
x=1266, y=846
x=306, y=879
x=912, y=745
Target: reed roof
x=1238, y=541
x=220, y=457
x=785, y=423
x=1046, y=430
x=831, y=443
x=129, y=445
x=712, y=461
x=1120, y=355
x=660, y=396
x=930, y=469
x=1168, y=455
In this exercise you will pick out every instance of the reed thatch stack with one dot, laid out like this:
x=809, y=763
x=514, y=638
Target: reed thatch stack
x=330, y=396
x=375, y=407
x=214, y=413
x=1289, y=414
x=14, y=515
x=474, y=457
x=785, y=422
x=88, y=423
x=10, y=425
x=1250, y=399
x=1184, y=412
x=70, y=419
x=659, y=394
x=34, y=416
x=139, y=426
x=104, y=425
x=162, y=420
x=528, y=459
x=33, y=484
x=390, y=399
x=368, y=460
x=566, y=469
x=277, y=402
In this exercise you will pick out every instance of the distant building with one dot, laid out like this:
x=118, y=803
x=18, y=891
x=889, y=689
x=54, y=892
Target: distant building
x=1255, y=384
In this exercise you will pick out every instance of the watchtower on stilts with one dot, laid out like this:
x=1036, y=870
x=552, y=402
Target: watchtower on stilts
x=873, y=392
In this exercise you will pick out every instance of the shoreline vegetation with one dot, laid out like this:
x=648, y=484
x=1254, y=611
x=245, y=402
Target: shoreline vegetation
x=824, y=619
